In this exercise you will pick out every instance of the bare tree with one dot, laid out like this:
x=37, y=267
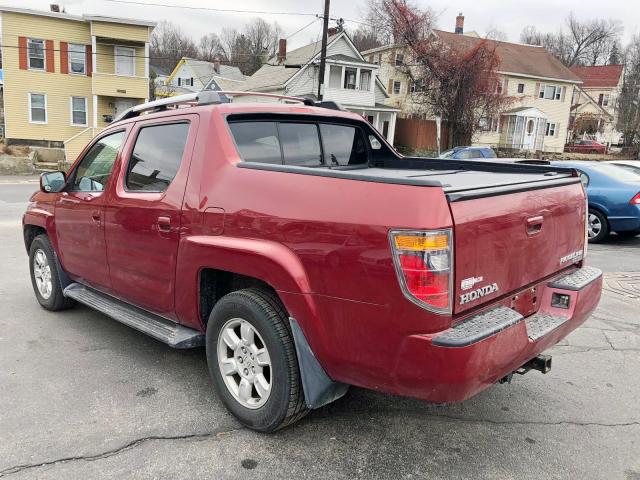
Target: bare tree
x=458, y=83
x=628, y=103
x=210, y=47
x=582, y=43
x=169, y=44
x=365, y=38
x=250, y=48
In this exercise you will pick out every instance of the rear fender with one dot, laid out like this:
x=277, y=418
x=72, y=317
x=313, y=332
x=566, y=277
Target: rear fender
x=270, y=262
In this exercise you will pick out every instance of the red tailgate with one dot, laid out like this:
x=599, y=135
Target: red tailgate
x=505, y=242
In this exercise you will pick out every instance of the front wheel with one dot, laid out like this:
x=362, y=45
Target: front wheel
x=252, y=360
x=598, y=226
x=44, y=276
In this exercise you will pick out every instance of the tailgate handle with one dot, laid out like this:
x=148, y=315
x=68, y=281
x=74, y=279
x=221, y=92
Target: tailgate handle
x=534, y=225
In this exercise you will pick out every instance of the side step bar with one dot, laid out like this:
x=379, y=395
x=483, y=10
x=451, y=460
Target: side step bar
x=171, y=333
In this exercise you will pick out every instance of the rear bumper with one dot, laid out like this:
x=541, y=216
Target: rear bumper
x=456, y=364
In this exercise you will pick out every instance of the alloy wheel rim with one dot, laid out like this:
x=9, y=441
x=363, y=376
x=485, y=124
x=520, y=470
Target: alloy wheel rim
x=244, y=363
x=42, y=274
x=595, y=225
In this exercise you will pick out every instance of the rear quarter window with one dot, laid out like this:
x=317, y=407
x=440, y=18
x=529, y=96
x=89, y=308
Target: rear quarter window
x=257, y=141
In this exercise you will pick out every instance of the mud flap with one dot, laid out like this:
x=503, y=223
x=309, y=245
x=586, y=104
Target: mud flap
x=318, y=388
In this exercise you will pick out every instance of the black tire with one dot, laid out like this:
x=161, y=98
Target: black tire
x=604, y=231
x=285, y=403
x=56, y=300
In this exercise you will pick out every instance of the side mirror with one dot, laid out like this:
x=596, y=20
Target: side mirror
x=52, y=181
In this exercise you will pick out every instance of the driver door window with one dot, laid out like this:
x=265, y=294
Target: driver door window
x=95, y=168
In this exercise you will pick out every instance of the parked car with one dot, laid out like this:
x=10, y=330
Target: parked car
x=468, y=153
x=306, y=255
x=630, y=165
x=614, y=198
x=586, y=146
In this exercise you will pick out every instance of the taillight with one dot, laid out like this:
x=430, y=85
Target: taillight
x=635, y=200
x=424, y=264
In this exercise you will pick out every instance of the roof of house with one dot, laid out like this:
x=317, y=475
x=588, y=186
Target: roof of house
x=205, y=70
x=516, y=58
x=599, y=76
x=77, y=18
x=272, y=76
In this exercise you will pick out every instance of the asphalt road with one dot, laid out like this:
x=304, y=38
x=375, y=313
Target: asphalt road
x=82, y=396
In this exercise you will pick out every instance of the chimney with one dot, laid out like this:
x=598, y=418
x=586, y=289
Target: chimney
x=55, y=7
x=460, y=23
x=331, y=31
x=216, y=65
x=282, y=50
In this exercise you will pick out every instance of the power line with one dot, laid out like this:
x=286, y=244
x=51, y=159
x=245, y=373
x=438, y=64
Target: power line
x=213, y=9
x=301, y=29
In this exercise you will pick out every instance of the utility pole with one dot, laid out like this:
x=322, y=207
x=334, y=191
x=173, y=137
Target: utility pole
x=323, y=51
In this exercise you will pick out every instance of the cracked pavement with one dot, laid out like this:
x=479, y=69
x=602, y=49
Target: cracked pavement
x=82, y=396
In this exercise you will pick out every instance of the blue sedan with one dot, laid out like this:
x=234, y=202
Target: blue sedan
x=614, y=198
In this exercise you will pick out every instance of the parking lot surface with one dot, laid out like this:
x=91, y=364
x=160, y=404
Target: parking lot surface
x=82, y=396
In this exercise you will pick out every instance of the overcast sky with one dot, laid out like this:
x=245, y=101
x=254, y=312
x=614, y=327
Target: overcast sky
x=481, y=15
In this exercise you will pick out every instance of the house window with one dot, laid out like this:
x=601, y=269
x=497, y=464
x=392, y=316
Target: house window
x=77, y=59
x=521, y=88
x=550, y=130
x=379, y=62
x=499, y=87
x=125, y=61
x=484, y=124
x=603, y=99
x=350, y=78
x=396, y=87
x=416, y=87
x=335, y=76
x=36, y=54
x=38, y=108
x=399, y=59
x=550, y=92
x=365, y=79
x=79, y=111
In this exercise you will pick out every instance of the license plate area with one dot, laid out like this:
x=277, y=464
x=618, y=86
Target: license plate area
x=526, y=302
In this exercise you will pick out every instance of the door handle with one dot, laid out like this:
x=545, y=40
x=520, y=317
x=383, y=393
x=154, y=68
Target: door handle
x=534, y=225
x=96, y=216
x=164, y=224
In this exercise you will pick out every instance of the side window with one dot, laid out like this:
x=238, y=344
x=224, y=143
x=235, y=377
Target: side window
x=257, y=141
x=343, y=145
x=300, y=144
x=156, y=157
x=95, y=168
x=465, y=155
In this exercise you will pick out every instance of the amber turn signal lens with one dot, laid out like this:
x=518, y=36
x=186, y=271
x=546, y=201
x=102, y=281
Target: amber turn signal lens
x=421, y=243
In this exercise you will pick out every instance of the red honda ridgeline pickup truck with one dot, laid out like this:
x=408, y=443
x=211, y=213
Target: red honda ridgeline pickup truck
x=307, y=255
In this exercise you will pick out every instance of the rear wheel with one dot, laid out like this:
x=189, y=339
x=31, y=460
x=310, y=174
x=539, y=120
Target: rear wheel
x=44, y=276
x=598, y=227
x=253, y=362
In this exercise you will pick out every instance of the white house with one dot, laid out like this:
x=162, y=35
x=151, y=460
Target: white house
x=349, y=79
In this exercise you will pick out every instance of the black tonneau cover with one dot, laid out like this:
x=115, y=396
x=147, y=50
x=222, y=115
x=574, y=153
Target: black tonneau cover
x=460, y=179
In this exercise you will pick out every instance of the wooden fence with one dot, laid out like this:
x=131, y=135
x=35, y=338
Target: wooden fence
x=419, y=134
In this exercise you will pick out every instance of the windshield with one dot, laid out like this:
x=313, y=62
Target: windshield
x=447, y=153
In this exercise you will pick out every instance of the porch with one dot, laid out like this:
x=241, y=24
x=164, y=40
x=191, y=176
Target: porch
x=523, y=129
x=382, y=117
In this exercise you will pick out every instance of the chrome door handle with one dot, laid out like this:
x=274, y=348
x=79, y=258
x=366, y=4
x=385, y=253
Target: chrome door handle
x=97, y=216
x=164, y=224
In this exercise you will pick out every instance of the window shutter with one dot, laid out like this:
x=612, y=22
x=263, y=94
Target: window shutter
x=600, y=99
x=51, y=68
x=409, y=87
x=505, y=86
x=390, y=87
x=537, y=89
x=22, y=53
x=564, y=92
x=557, y=132
x=64, y=57
x=89, y=60
x=392, y=58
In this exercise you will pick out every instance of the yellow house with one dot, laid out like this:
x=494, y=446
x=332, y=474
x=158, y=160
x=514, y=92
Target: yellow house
x=538, y=85
x=67, y=76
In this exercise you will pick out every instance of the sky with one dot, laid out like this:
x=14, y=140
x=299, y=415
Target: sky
x=508, y=16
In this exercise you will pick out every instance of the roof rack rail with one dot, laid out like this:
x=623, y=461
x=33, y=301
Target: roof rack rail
x=212, y=97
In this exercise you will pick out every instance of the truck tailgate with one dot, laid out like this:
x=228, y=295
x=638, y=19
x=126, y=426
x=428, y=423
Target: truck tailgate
x=505, y=242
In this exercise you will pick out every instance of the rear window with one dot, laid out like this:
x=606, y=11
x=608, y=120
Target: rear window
x=300, y=144
x=343, y=145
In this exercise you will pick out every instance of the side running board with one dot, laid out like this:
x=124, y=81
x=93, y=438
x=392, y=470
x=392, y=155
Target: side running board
x=171, y=333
